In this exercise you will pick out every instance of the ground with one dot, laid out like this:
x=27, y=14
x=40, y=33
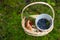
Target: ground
x=10, y=20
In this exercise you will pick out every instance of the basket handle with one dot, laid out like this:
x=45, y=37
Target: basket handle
x=38, y=3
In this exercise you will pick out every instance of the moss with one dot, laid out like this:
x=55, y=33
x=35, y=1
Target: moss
x=10, y=20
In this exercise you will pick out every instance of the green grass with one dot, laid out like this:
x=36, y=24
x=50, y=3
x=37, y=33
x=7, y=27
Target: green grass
x=10, y=21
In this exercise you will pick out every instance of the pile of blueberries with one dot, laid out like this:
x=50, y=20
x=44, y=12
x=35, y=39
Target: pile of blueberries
x=43, y=24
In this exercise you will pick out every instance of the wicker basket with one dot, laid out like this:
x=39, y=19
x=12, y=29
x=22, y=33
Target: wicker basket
x=33, y=30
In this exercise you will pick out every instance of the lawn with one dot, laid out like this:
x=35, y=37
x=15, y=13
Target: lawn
x=10, y=20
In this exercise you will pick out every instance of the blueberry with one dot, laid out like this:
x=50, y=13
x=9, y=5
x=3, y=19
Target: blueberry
x=43, y=24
